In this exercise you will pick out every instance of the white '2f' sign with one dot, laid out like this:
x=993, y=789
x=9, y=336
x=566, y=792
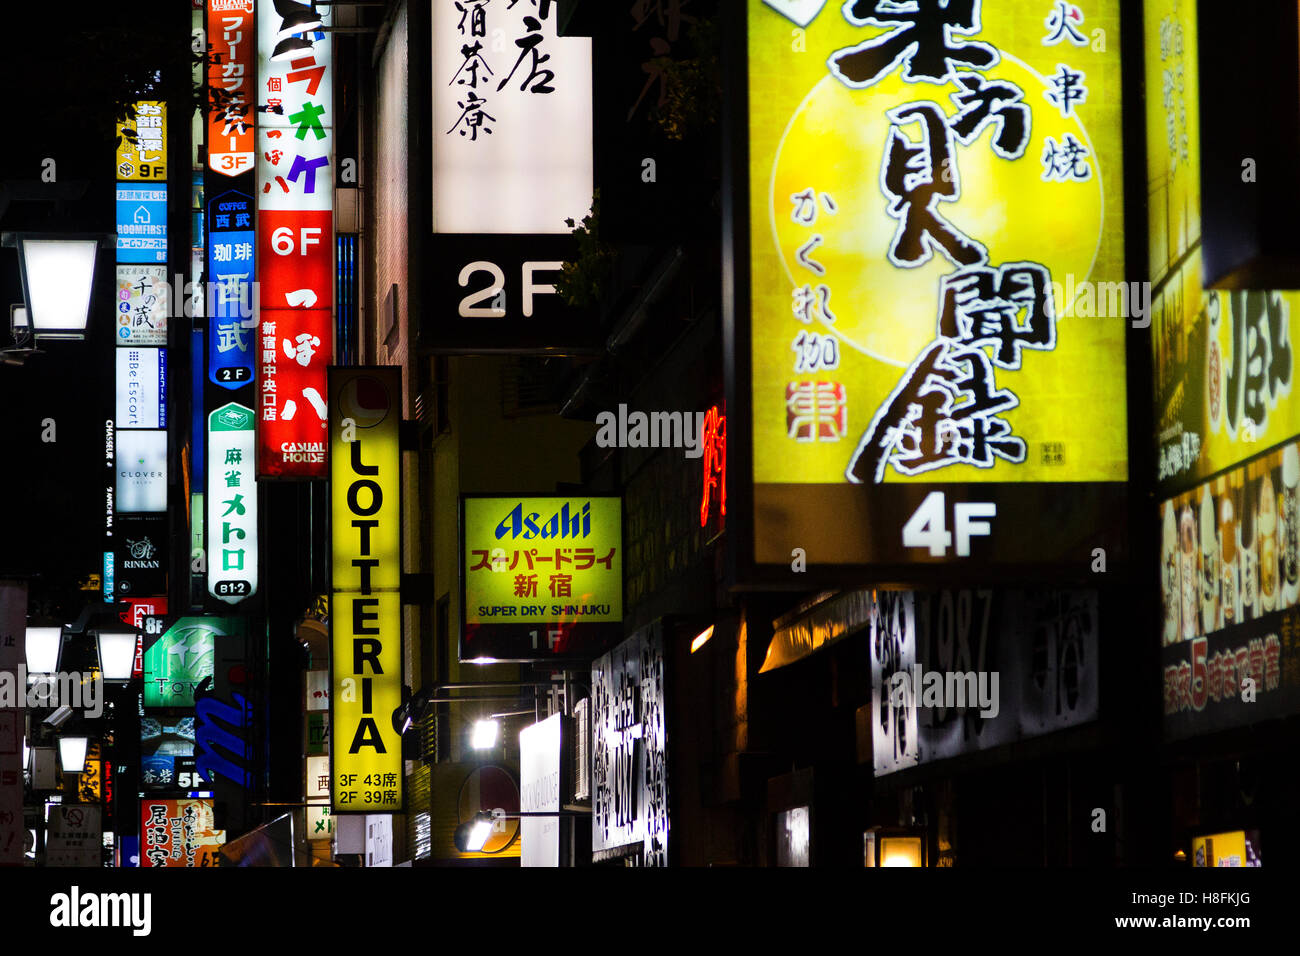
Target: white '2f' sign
x=530, y=288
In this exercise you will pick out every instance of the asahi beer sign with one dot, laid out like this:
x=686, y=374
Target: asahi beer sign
x=543, y=575
x=629, y=750
x=232, y=505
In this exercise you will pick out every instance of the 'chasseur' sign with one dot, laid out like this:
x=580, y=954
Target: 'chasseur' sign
x=366, y=622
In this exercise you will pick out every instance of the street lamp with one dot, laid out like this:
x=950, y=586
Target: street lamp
x=44, y=645
x=18, y=327
x=116, y=654
x=58, y=275
x=485, y=733
x=72, y=753
x=472, y=835
x=894, y=846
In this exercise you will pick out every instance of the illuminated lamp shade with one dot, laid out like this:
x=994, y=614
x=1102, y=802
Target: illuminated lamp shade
x=296, y=17
x=72, y=753
x=701, y=638
x=900, y=851
x=58, y=278
x=44, y=645
x=485, y=733
x=289, y=48
x=471, y=836
x=116, y=654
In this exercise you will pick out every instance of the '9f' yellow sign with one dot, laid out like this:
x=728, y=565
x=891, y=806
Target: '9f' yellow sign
x=366, y=623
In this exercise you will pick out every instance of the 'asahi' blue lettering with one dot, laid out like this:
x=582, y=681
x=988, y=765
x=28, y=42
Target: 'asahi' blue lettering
x=562, y=524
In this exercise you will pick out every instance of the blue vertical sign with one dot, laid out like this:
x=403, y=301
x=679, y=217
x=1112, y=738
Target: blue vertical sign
x=141, y=223
x=232, y=325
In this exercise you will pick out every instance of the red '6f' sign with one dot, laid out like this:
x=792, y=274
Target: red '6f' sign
x=294, y=342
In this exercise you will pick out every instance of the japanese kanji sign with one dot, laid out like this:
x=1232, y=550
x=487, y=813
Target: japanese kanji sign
x=232, y=332
x=295, y=97
x=142, y=144
x=511, y=118
x=1224, y=361
x=541, y=575
x=143, y=302
x=179, y=660
x=294, y=352
x=295, y=175
x=230, y=86
x=366, y=623
x=231, y=504
x=935, y=202
x=142, y=223
x=141, y=388
x=178, y=833
x=76, y=836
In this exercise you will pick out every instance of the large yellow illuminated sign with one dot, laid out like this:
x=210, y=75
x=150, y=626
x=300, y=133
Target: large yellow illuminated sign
x=543, y=560
x=1224, y=362
x=366, y=621
x=936, y=291
x=937, y=244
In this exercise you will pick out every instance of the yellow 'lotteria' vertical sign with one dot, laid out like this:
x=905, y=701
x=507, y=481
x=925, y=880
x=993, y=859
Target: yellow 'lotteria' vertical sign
x=366, y=620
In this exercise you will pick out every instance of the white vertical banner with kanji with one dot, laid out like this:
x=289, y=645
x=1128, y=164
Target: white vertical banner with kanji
x=512, y=119
x=295, y=201
x=232, y=505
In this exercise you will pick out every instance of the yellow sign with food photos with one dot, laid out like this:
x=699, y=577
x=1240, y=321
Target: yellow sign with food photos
x=937, y=271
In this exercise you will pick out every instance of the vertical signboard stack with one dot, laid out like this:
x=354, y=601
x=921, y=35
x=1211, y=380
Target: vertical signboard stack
x=138, y=517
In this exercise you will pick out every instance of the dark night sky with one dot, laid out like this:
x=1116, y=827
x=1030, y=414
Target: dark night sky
x=59, y=104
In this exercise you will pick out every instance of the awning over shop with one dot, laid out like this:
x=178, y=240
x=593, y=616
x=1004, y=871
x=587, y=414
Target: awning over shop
x=825, y=619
